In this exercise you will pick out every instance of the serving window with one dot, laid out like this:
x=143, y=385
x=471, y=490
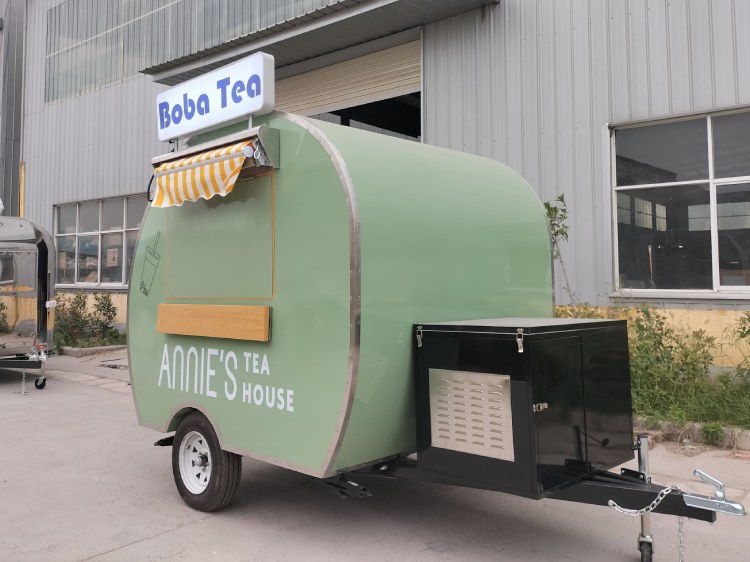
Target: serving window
x=245, y=255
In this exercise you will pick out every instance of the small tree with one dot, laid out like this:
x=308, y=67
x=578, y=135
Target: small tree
x=103, y=315
x=557, y=217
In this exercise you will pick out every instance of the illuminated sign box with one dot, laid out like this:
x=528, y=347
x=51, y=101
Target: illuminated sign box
x=237, y=90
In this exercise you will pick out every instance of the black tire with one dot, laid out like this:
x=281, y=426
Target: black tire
x=223, y=471
x=647, y=551
x=40, y=383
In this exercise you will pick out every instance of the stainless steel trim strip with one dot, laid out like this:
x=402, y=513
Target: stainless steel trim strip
x=355, y=306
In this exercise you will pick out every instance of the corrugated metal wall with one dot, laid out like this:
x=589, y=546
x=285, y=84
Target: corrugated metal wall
x=11, y=57
x=94, y=43
x=532, y=83
x=95, y=145
x=528, y=82
x=4, y=9
x=79, y=146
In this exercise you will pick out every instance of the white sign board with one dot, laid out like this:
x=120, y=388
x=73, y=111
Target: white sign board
x=239, y=89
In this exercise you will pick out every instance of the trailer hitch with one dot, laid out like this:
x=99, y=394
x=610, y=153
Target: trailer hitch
x=718, y=502
x=703, y=504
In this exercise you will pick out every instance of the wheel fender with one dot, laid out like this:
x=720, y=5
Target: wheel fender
x=183, y=410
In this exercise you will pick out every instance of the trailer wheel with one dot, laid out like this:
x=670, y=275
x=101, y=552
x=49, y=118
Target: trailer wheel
x=647, y=551
x=40, y=382
x=206, y=476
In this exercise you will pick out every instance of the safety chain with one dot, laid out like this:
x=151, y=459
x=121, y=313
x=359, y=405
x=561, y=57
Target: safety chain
x=650, y=507
x=681, y=539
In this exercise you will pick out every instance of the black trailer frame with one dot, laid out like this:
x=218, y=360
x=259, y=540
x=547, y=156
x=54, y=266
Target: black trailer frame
x=554, y=395
x=629, y=491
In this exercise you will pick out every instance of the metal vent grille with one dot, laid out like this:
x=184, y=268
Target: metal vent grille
x=470, y=413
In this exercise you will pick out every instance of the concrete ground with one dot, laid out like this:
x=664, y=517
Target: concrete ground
x=80, y=480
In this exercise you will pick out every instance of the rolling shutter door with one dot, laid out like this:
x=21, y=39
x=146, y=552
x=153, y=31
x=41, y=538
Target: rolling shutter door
x=374, y=77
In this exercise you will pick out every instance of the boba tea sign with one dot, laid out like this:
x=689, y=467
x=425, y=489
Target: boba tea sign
x=237, y=90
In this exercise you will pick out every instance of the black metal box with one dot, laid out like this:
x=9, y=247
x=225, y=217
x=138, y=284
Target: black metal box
x=522, y=405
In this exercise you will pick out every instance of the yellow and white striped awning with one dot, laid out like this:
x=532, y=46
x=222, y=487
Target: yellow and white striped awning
x=200, y=176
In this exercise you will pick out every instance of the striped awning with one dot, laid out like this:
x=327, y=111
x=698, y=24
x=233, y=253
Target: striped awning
x=200, y=176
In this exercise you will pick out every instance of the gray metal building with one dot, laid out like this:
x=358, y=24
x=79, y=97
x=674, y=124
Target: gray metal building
x=635, y=110
x=12, y=18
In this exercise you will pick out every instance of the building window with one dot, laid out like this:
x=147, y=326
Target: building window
x=683, y=204
x=7, y=268
x=95, y=240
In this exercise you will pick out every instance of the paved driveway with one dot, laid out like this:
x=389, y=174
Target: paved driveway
x=81, y=480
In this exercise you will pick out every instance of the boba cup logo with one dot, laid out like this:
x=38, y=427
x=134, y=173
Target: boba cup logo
x=150, y=263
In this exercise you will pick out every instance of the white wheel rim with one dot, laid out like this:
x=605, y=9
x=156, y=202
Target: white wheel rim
x=195, y=462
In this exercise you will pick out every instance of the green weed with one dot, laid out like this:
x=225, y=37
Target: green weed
x=713, y=433
x=671, y=379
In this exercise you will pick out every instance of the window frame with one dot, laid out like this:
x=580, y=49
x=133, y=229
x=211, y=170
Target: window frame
x=12, y=257
x=717, y=291
x=99, y=234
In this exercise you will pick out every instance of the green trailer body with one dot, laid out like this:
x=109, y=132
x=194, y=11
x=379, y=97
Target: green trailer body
x=347, y=241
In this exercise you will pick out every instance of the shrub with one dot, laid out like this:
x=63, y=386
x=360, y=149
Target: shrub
x=76, y=326
x=581, y=310
x=4, y=326
x=71, y=320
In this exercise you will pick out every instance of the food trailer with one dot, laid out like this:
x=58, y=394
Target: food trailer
x=334, y=301
x=27, y=257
